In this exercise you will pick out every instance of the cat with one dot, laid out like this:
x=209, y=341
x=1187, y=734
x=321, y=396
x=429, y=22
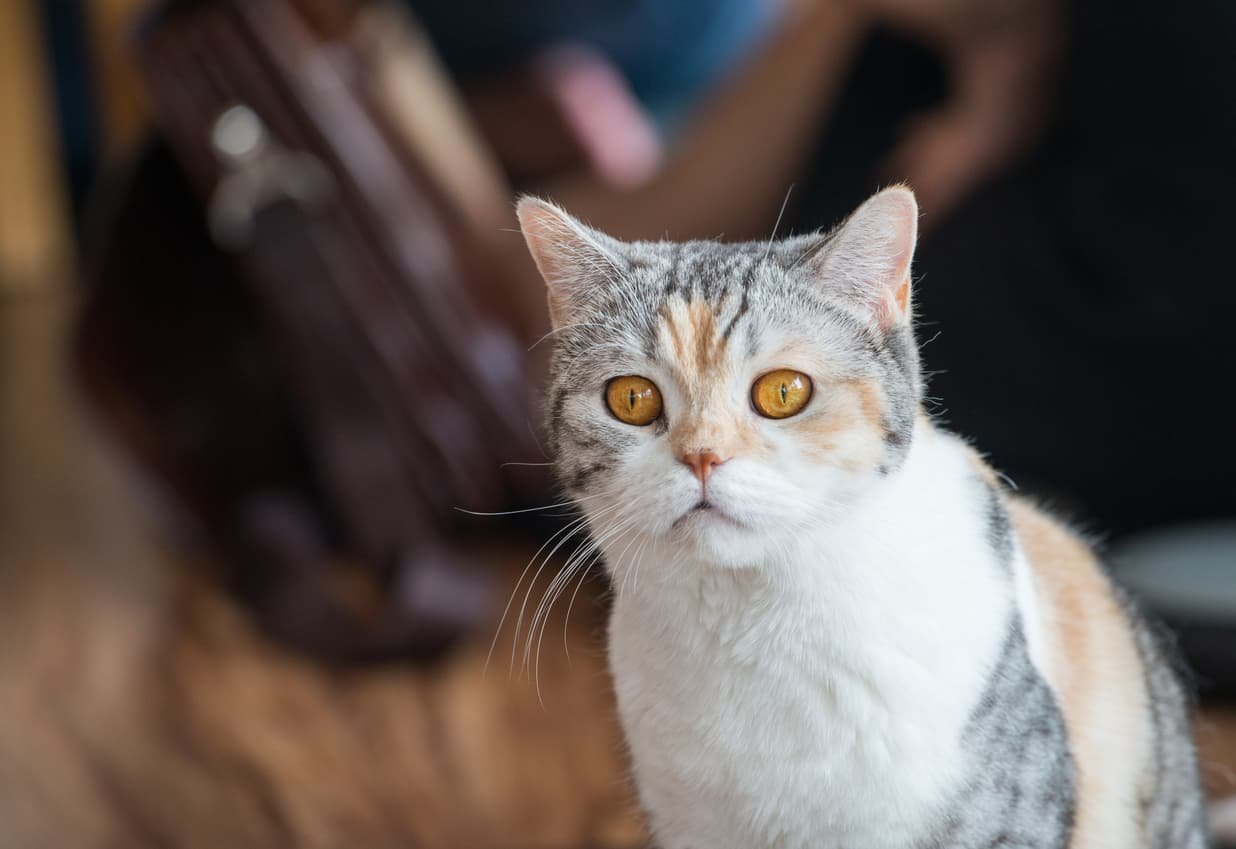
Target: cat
x=833, y=626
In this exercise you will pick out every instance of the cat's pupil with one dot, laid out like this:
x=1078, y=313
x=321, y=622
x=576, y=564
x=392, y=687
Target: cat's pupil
x=631, y=398
x=784, y=393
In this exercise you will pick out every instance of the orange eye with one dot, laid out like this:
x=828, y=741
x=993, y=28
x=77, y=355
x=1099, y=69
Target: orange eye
x=633, y=399
x=781, y=393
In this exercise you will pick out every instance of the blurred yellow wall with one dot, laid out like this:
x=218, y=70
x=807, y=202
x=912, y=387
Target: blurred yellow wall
x=34, y=236
x=35, y=239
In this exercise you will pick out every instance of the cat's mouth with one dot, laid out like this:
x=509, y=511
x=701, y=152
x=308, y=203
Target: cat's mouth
x=705, y=510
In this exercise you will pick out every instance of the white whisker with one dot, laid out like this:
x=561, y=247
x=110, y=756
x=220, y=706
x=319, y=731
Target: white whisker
x=515, y=590
x=773, y=237
x=577, y=560
x=566, y=327
x=570, y=529
x=531, y=509
x=528, y=593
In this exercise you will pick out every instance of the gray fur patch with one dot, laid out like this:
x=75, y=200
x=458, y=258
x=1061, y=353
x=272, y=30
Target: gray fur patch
x=1022, y=791
x=1173, y=812
x=999, y=526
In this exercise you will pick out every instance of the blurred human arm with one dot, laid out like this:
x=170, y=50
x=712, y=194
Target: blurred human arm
x=735, y=160
x=1000, y=56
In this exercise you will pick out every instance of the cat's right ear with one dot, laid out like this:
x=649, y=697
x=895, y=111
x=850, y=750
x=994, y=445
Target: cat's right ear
x=866, y=261
x=574, y=259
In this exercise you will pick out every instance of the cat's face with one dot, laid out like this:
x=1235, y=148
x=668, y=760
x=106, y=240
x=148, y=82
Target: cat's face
x=724, y=400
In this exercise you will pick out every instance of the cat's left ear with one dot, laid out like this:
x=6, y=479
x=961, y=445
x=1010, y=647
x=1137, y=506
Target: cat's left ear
x=867, y=261
x=573, y=258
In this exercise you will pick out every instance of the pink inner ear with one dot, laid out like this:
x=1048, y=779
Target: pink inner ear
x=894, y=305
x=556, y=242
x=545, y=231
x=900, y=212
x=903, y=295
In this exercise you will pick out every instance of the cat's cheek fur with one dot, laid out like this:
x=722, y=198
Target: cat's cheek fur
x=848, y=437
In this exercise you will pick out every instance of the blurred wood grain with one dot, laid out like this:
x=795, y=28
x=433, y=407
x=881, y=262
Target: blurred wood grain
x=34, y=223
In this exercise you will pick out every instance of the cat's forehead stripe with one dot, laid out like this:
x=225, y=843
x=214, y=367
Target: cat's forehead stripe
x=671, y=279
x=691, y=333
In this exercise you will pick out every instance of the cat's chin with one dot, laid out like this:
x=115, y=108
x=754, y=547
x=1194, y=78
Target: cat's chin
x=717, y=537
x=706, y=515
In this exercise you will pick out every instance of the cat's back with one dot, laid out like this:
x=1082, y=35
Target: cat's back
x=1124, y=710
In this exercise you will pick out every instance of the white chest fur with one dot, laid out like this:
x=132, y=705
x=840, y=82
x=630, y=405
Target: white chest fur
x=819, y=702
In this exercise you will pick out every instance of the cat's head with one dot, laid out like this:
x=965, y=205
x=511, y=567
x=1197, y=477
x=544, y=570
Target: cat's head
x=727, y=398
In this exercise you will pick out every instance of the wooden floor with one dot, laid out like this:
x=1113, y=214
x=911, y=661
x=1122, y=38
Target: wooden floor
x=138, y=708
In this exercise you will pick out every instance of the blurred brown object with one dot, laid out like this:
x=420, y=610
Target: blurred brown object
x=1001, y=60
x=117, y=84
x=412, y=91
x=35, y=243
x=294, y=324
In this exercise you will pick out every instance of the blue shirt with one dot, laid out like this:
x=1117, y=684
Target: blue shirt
x=670, y=51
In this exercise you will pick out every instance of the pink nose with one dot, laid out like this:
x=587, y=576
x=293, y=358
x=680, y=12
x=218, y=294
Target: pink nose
x=701, y=463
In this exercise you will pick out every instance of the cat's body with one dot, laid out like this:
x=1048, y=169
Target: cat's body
x=832, y=626
x=938, y=720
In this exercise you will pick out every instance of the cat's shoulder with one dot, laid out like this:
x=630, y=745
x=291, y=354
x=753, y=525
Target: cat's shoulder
x=1056, y=549
x=1063, y=560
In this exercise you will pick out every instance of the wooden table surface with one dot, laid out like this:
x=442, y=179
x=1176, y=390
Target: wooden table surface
x=139, y=709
